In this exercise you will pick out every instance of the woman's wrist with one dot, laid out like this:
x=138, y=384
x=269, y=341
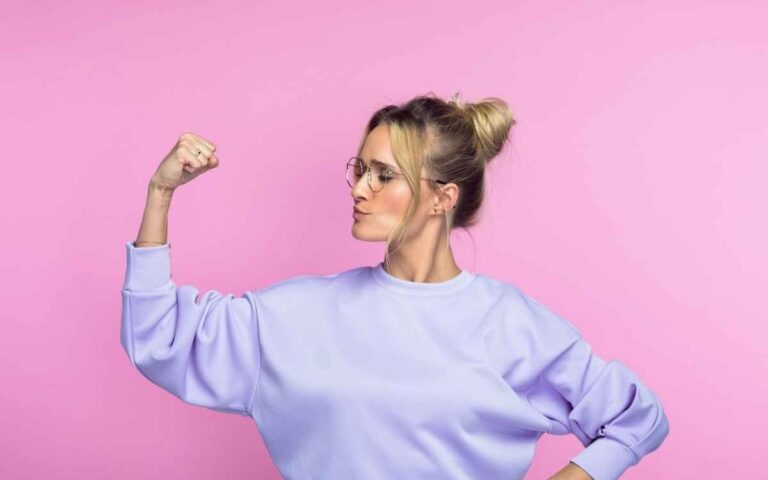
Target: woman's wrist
x=571, y=472
x=155, y=188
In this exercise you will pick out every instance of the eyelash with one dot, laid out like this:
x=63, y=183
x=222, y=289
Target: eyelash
x=389, y=174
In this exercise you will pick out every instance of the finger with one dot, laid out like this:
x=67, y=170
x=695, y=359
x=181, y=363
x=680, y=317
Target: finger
x=206, y=152
x=200, y=160
x=191, y=161
x=184, y=158
x=205, y=142
x=194, y=146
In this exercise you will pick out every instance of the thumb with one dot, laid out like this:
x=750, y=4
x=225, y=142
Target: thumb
x=184, y=163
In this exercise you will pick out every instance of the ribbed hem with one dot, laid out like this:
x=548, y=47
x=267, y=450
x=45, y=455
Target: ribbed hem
x=147, y=268
x=605, y=459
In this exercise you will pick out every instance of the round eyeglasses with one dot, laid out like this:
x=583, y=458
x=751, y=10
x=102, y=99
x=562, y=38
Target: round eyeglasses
x=379, y=174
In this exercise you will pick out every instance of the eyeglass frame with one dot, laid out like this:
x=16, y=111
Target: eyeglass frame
x=368, y=171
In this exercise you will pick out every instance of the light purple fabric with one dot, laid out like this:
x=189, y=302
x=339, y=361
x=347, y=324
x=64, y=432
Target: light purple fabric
x=362, y=375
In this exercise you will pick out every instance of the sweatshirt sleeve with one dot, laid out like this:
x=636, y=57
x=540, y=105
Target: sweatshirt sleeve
x=603, y=403
x=204, y=351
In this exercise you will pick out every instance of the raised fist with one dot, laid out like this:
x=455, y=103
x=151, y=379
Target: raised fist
x=191, y=156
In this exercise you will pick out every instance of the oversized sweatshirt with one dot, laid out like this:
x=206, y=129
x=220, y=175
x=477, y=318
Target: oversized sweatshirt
x=363, y=375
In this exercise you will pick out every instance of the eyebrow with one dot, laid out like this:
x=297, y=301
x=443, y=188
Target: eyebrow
x=379, y=162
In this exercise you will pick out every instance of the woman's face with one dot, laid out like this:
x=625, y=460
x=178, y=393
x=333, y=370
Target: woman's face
x=388, y=206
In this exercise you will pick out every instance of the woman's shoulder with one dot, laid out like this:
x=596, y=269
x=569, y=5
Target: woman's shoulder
x=308, y=283
x=509, y=290
x=529, y=310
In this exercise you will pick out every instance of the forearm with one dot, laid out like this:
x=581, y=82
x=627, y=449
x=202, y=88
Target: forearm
x=571, y=472
x=154, y=222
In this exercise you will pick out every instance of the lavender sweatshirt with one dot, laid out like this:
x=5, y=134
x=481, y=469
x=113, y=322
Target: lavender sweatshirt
x=363, y=375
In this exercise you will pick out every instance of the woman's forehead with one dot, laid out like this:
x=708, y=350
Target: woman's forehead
x=378, y=148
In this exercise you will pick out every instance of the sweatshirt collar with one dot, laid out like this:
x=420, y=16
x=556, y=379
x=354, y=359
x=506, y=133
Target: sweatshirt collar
x=446, y=287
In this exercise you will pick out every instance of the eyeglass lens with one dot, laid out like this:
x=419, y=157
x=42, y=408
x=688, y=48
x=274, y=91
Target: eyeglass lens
x=356, y=168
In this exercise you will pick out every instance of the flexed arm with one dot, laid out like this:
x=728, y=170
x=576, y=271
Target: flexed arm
x=204, y=351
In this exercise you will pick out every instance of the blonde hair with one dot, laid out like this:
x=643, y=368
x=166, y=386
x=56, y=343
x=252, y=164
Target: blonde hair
x=453, y=140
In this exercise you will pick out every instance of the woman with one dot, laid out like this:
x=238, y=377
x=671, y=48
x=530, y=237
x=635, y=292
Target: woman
x=412, y=369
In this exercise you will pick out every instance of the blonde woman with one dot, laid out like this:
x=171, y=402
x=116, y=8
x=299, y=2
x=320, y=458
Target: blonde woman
x=411, y=369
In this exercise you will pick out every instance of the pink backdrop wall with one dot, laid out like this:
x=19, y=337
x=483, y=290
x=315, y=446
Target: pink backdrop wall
x=633, y=201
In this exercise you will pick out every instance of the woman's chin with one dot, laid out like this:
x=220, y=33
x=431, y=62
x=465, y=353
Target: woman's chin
x=359, y=234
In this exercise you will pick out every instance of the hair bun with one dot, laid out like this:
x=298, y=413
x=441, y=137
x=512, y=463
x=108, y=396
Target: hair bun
x=492, y=119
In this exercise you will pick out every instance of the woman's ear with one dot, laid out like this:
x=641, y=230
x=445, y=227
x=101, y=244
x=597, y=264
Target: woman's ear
x=446, y=197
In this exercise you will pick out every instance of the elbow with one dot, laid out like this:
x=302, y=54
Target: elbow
x=127, y=344
x=126, y=348
x=656, y=435
x=126, y=332
x=637, y=418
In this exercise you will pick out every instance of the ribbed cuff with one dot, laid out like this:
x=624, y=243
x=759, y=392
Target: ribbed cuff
x=147, y=268
x=605, y=459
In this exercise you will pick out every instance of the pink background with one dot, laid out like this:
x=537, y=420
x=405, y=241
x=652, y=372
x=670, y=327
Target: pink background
x=633, y=201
